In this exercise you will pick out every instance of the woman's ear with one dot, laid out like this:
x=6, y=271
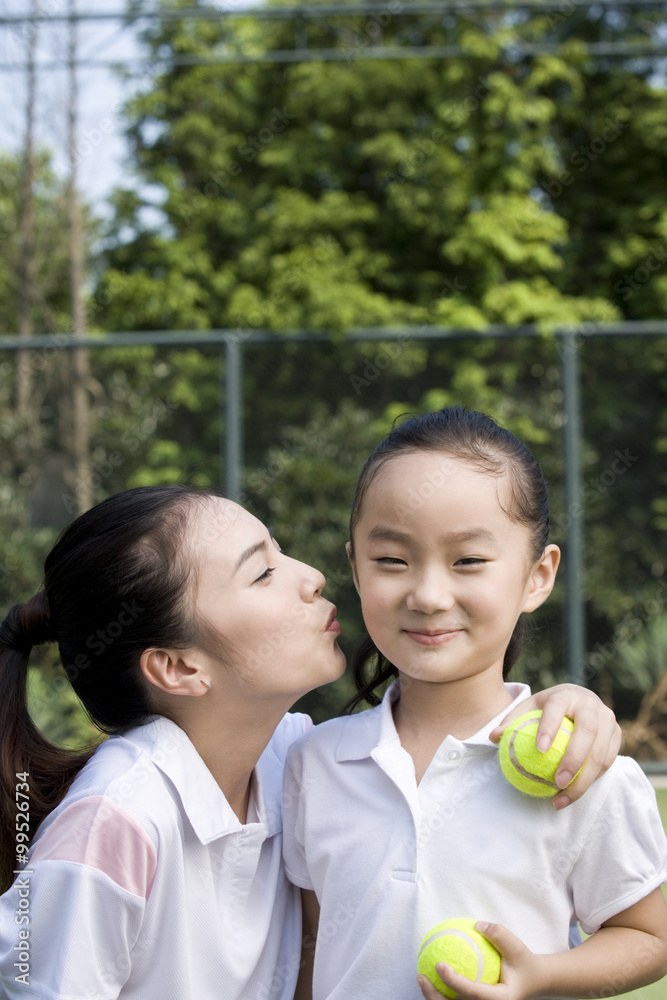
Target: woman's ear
x=542, y=578
x=168, y=670
x=350, y=556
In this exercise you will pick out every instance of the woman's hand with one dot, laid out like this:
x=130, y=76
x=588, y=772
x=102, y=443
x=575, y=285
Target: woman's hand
x=593, y=746
x=519, y=971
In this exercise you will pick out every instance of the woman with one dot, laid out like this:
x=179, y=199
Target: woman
x=156, y=870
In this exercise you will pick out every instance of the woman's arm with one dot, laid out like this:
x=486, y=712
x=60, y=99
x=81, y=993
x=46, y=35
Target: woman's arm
x=629, y=950
x=594, y=745
x=311, y=919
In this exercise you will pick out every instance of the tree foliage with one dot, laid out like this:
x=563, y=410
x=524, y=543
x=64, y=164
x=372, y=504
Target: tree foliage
x=493, y=188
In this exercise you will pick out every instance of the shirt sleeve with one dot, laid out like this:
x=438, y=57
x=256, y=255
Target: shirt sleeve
x=624, y=857
x=70, y=921
x=294, y=813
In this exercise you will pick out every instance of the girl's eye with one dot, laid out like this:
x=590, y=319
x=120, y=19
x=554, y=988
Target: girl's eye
x=471, y=561
x=390, y=561
x=266, y=575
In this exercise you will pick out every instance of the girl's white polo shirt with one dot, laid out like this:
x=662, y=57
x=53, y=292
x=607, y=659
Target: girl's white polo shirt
x=388, y=858
x=143, y=883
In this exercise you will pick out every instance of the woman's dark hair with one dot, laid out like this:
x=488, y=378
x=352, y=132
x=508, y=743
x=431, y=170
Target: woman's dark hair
x=475, y=438
x=114, y=585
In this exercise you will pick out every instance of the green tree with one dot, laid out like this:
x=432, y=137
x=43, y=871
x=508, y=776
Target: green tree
x=493, y=188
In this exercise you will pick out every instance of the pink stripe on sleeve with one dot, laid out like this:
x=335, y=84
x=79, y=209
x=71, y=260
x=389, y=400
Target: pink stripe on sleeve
x=99, y=834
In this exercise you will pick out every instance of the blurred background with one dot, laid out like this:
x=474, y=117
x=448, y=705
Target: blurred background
x=238, y=240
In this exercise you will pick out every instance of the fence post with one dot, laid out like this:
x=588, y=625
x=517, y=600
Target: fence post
x=574, y=552
x=233, y=419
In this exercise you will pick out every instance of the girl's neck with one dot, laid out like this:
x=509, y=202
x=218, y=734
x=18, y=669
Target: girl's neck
x=427, y=712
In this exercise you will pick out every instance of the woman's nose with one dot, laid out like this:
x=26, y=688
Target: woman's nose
x=312, y=583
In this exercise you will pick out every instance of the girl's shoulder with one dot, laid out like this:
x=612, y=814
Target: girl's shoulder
x=623, y=781
x=344, y=737
x=291, y=727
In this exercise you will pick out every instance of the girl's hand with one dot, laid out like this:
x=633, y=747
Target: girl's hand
x=519, y=972
x=593, y=746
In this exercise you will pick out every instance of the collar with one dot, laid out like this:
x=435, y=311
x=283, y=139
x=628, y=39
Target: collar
x=375, y=727
x=202, y=799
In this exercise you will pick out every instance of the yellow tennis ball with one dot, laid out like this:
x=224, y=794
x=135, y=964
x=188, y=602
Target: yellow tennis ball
x=457, y=943
x=526, y=767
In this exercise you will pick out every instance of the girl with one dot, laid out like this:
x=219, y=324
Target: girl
x=398, y=818
x=156, y=869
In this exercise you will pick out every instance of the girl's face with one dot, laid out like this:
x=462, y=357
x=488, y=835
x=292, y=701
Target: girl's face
x=267, y=608
x=442, y=571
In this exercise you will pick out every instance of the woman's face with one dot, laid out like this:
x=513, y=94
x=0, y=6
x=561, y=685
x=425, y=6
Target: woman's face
x=267, y=608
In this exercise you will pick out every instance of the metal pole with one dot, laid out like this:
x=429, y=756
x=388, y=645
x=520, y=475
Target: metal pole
x=574, y=554
x=233, y=418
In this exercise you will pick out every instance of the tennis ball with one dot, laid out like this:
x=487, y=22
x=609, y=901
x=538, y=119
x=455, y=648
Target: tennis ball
x=457, y=943
x=524, y=765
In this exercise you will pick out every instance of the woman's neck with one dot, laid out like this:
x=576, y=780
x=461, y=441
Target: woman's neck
x=230, y=744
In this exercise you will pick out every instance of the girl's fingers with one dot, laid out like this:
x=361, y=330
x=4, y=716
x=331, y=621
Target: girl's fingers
x=509, y=945
x=465, y=988
x=593, y=746
x=428, y=989
x=554, y=703
x=601, y=755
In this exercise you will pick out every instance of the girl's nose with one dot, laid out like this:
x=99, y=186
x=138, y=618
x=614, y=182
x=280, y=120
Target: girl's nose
x=430, y=592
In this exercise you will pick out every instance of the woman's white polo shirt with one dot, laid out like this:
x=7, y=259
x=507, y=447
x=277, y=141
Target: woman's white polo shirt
x=143, y=883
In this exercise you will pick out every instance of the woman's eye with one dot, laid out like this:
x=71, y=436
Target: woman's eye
x=266, y=575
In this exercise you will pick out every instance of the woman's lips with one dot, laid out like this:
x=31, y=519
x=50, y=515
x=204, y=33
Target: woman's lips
x=332, y=624
x=432, y=638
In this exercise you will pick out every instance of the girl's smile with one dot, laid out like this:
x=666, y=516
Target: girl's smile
x=434, y=638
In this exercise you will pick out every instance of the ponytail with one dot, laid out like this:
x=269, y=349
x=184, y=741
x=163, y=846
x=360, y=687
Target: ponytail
x=116, y=582
x=46, y=768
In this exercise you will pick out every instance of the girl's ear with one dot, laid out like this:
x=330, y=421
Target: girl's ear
x=542, y=578
x=168, y=671
x=350, y=556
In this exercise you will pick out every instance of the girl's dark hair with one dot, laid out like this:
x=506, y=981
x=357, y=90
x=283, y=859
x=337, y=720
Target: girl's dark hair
x=114, y=585
x=475, y=438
